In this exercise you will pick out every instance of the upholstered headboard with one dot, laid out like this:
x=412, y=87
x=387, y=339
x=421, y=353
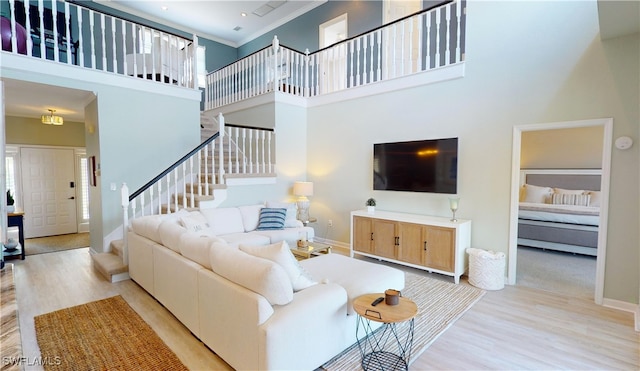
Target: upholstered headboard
x=586, y=179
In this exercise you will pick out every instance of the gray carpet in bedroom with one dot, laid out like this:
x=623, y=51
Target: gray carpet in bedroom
x=563, y=273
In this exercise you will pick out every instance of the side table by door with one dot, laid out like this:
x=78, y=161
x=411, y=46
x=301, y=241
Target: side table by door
x=15, y=219
x=387, y=348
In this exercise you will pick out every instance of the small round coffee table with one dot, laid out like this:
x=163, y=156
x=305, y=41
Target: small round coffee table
x=387, y=347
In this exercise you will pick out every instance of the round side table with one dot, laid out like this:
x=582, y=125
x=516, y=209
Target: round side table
x=387, y=347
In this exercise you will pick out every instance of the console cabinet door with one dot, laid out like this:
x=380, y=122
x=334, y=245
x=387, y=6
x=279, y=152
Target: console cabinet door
x=412, y=238
x=440, y=245
x=384, y=238
x=362, y=234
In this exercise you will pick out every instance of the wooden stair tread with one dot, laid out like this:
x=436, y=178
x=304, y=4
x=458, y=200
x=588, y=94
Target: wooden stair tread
x=109, y=264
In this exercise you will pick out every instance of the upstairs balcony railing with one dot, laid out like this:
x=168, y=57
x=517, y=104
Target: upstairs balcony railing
x=427, y=40
x=68, y=33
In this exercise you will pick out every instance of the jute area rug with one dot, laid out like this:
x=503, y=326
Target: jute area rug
x=102, y=335
x=43, y=245
x=440, y=304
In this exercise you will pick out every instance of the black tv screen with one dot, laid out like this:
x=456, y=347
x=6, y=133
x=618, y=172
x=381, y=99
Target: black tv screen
x=416, y=166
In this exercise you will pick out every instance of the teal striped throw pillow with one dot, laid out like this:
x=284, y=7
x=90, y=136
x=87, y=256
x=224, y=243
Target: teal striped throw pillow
x=271, y=218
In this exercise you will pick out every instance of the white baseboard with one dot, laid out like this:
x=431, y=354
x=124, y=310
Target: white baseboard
x=626, y=307
x=343, y=247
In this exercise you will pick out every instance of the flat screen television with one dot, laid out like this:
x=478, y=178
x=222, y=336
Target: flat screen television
x=416, y=166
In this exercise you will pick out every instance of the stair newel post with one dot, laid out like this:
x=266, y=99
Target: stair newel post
x=221, y=149
x=124, y=192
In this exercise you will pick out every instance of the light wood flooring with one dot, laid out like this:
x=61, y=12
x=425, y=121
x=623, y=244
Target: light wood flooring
x=514, y=328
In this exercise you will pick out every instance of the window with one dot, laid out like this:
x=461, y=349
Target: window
x=84, y=188
x=11, y=168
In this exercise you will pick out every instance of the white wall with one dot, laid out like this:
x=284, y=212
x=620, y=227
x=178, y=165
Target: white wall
x=291, y=149
x=526, y=63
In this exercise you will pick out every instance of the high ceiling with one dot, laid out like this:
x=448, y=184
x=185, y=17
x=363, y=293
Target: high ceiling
x=219, y=20
x=215, y=19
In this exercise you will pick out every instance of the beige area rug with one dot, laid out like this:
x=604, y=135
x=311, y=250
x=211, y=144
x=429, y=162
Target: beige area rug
x=43, y=245
x=11, y=349
x=440, y=304
x=102, y=335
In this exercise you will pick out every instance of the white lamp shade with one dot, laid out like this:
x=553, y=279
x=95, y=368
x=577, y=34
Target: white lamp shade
x=303, y=188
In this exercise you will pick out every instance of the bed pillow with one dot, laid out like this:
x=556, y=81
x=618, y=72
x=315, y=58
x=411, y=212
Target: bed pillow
x=570, y=199
x=596, y=196
x=537, y=194
x=568, y=191
x=281, y=254
x=271, y=219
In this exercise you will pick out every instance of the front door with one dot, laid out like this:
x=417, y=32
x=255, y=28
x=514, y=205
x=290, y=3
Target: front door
x=48, y=181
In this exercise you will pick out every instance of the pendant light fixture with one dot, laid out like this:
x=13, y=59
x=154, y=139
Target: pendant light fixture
x=52, y=119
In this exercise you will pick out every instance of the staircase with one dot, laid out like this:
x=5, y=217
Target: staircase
x=110, y=264
x=229, y=155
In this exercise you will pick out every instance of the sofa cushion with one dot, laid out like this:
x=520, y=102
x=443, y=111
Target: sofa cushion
x=290, y=220
x=280, y=253
x=271, y=218
x=287, y=234
x=170, y=232
x=250, y=216
x=358, y=277
x=147, y=226
x=195, y=247
x=224, y=220
x=259, y=275
x=250, y=238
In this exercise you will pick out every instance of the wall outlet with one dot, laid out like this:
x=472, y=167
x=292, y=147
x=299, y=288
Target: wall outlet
x=330, y=223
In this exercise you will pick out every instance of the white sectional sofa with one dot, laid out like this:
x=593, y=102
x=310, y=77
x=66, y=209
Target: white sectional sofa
x=243, y=293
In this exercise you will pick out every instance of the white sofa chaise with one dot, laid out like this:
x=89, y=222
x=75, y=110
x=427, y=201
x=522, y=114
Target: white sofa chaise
x=237, y=295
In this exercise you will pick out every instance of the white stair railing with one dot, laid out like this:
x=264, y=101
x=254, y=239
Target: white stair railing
x=423, y=41
x=83, y=37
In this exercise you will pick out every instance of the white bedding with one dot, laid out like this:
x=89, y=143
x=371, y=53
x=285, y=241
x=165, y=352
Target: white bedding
x=571, y=214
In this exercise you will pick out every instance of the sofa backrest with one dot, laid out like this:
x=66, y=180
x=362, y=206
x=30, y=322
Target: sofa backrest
x=224, y=220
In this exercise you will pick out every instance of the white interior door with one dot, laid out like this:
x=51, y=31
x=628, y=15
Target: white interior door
x=48, y=180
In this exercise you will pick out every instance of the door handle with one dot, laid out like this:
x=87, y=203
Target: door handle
x=71, y=198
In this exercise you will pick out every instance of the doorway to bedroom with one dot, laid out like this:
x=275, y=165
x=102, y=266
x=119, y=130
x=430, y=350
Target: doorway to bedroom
x=562, y=256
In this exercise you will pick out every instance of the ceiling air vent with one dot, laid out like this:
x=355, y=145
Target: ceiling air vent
x=237, y=28
x=268, y=7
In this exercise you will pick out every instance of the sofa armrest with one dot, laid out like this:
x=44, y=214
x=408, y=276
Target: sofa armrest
x=285, y=341
x=229, y=318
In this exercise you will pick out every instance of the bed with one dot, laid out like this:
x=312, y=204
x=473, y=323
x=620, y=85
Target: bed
x=560, y=210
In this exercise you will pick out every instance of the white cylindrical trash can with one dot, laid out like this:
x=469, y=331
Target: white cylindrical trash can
x=486, y=269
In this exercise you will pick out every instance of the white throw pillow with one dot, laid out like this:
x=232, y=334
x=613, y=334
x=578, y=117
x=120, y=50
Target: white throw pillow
x=259, y=275
x=281, y=253
x=250, y=216
x=290, y=220
x=194, y=222
x=536, y=194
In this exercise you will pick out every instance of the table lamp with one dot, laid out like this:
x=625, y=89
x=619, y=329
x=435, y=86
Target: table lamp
x=302, y=190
